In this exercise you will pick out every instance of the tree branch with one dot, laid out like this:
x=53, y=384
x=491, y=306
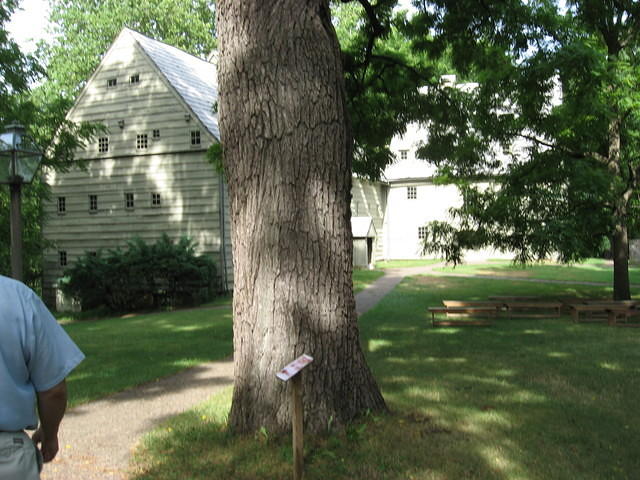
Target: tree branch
x=401, y=64
x=574, y=154
x=377, y=31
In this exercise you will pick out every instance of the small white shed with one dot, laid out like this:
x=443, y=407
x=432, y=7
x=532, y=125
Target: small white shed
x=364, y=232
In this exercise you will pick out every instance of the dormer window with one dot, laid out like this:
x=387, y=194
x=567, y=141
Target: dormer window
x=134, y=79
x=112, y=82
x=195, y=137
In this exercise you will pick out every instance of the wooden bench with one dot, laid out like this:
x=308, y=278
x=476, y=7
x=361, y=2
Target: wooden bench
x=485, y=311
x=550, y=308
x=499, y=306
x=609, y=311
x=624, y=313
x=473, y=303
x=514, y=298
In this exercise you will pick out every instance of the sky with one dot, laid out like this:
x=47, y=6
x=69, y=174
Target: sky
x=29, y=22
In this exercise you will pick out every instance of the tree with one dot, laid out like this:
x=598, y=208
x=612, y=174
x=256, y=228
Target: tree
x=287, y=158
x=16, y=72
x=383, y=77
x=562, y=84
x=84, y=30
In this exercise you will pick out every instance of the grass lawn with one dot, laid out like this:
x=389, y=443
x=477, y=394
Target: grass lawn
x=407, y=263
x=157, y=344
x=524, y=399
x=126, y=351
x=363, y=278
x=590, y=271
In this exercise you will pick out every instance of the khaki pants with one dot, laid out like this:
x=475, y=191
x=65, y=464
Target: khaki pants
x=18, y=457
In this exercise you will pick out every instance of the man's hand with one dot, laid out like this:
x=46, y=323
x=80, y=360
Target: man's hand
x=51, y=406
x=48, y=446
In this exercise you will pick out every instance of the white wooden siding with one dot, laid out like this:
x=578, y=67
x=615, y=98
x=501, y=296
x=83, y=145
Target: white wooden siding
x=369, y=199
x=189, y=206
x=148, y=105
x=188, y=185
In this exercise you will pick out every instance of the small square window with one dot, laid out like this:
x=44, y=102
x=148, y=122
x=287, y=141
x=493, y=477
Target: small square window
x=134, y=79
x=92, y=254
x=112, y=82
x=62, y=256
x=422, y=233
x=62, y=204
x=155, y=200
x=412, y=193
x=195, y=137
x=93, y=203
x=404, y=154
x=142, y=141
x=103, y=144
x=156, y=134
x=129, y=201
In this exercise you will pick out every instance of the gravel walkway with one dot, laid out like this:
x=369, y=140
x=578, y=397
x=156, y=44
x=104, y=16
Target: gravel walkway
x=96, y=438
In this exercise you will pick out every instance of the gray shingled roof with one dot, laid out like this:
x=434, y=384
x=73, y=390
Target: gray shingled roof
x=195, y=80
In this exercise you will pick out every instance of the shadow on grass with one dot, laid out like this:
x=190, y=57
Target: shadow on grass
x=124, y=352
x=535, y=398
x=530, y=399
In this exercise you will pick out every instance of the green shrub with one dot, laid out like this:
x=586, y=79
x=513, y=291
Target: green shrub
x=142, y=276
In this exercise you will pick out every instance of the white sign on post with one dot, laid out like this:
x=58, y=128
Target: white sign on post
x=294, y=367
x=290, y=372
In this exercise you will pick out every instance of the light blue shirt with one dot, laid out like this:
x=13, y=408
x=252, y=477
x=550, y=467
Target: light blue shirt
x=36, y=354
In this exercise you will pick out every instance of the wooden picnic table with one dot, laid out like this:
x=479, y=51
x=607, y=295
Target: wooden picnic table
x=514, y=298
x=551, y=308
x=610, y=310
x=473, y=303
x=484, y=310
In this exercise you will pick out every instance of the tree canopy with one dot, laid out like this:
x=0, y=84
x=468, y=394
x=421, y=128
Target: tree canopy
x=383, y=77
x=84, y=29
x=553, y=118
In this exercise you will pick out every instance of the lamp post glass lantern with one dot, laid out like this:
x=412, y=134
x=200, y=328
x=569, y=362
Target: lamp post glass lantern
x=20, y=158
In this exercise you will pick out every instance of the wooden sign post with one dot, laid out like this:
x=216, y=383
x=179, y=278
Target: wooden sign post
x=293, y=372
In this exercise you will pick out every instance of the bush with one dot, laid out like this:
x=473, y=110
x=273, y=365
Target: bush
x=142, y=276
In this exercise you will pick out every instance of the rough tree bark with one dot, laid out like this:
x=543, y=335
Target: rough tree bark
x=620, y=249
x=287, y=158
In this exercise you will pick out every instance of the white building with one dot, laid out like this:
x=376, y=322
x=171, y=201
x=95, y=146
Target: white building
x=148, y=174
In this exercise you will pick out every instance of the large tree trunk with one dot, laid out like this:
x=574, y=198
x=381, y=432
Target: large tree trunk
x=620, y=247
x=287, y=157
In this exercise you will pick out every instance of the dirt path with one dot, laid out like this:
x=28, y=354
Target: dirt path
x=96, y=439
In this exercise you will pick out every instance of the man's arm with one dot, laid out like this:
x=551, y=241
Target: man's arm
x=52, y=404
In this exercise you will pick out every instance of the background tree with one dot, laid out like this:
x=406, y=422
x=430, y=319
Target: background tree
x=287, y=158
x=383, y=77
x=84, y=29
x=558, y=93
x=17, y=71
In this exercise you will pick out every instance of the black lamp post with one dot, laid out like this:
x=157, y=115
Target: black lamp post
x=20, y=158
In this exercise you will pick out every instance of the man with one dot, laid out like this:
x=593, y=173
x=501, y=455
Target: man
x=36, y=355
